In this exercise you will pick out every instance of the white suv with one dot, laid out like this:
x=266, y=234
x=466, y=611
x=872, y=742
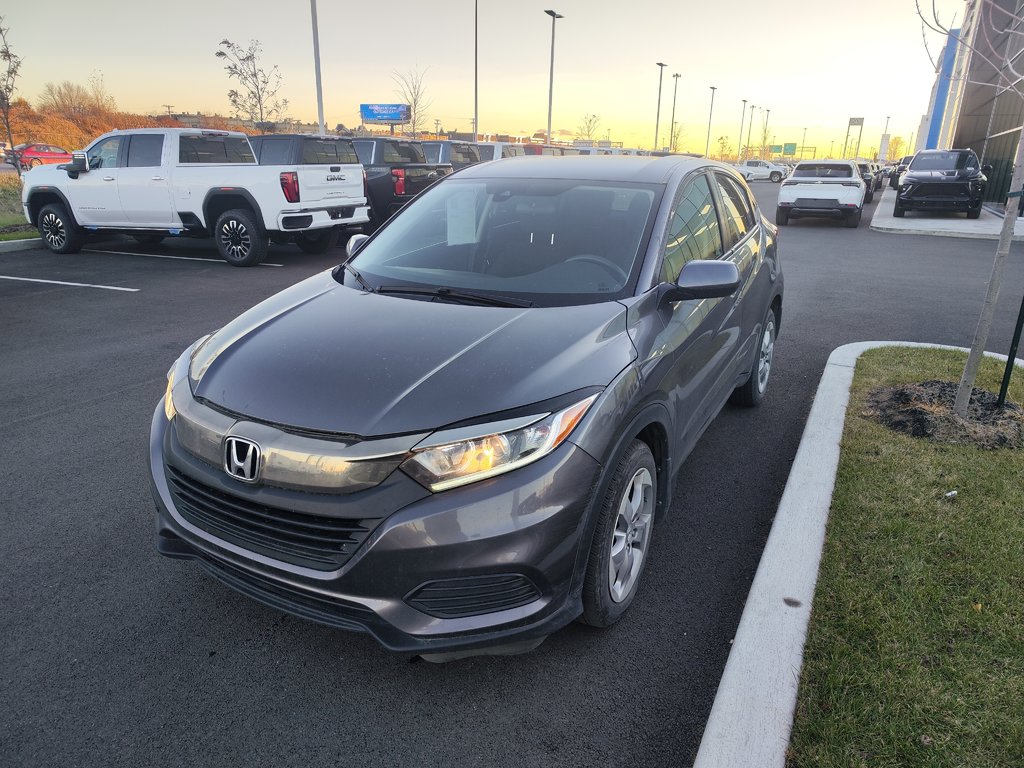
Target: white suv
x=832, y=188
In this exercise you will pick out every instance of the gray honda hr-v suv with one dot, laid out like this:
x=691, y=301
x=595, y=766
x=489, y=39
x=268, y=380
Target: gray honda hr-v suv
x=466, y=435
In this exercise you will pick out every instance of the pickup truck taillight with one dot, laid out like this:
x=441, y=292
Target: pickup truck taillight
x=366, y=186
x=398, y=176
x=290, y=186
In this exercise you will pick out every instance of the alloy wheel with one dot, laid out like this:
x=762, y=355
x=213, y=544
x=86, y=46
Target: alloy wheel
x=54, y=231
x=235, y=238
x=631, y=534
x=764, y=356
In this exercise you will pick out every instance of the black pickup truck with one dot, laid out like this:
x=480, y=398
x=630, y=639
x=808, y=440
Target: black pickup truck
x=396, y=171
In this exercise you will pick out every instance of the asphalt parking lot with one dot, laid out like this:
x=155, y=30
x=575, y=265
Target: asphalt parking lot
x=115, y=656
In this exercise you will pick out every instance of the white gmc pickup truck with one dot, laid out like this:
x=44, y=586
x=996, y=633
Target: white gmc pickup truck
x=758, y=170
x=155, y=183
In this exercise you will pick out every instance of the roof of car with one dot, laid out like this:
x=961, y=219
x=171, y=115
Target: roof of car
x=300, y=136
x=591, y=167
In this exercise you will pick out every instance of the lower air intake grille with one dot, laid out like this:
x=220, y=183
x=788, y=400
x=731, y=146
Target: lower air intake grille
x=474, y=595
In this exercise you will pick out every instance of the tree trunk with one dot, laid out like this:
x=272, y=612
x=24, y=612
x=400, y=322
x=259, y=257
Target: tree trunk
x=963, y=394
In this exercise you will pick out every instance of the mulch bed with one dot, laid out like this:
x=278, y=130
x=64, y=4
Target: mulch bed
x=17, y=228
x=926, y=410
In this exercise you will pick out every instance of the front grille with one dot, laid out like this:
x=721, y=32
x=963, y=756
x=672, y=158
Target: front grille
x=940, y=190
x=474, y=595
x=311, y=541
x=284, y=597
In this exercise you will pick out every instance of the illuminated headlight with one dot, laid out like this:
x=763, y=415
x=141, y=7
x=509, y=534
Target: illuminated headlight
x=440, y=467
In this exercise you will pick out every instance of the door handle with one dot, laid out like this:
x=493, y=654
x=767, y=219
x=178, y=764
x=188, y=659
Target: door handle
x=158, y=178
x=108, y=178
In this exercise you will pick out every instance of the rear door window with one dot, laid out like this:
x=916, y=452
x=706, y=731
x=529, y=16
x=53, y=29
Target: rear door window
x=145, y=150
x=275, y=151
x=737, y=218
x=464, y=153
x=401, y=152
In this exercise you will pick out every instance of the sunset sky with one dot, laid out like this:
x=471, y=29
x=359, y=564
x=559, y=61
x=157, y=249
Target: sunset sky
x=814, y=63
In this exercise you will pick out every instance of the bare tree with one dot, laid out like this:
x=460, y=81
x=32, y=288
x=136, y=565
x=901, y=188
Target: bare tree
x=255, y=99
x=412, y=92
x=588, y=126
x=1010, y=79
x=11, y=64
x=77, y=102
x=723, y=146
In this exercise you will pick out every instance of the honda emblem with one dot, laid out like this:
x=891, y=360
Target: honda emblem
x=242, y=459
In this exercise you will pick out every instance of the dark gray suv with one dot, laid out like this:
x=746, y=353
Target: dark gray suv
x=465, y=436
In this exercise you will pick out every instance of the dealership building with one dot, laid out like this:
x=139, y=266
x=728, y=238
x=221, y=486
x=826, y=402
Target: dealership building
x=971, y=104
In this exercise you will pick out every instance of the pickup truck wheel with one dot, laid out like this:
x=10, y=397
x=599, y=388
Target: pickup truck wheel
x=239, y=241
x=320, y=242
x=781, y=217
x=59, y=231
x=148, y=239
x=776, y=177
x=853, y=218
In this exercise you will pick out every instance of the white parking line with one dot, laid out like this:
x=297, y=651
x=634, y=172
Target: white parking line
x=76, y=285
x=165, y=256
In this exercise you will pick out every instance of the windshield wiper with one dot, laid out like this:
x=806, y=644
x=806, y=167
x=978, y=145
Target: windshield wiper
x=359, y=278
x=454, y=295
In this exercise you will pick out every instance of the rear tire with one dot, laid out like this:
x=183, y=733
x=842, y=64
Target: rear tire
x=323, y=241
x=621, y=544
x=240, y=242
x=752, y=391
x=58, y=230
x=974, y=213
x=781, y=217
x=869, y=197
x=853, y=218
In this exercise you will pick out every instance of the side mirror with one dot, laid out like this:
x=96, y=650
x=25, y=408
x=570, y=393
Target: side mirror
x=709, y=279
x=354, y=244
x=79, y=164
x=986, y=169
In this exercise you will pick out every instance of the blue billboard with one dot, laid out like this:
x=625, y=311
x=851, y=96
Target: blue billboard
x=386, y=114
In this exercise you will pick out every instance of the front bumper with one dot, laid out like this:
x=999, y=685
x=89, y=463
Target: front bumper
x=518, y=531
x=951, y=202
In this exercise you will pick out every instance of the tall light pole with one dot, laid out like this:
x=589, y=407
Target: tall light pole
x=672, y=130
x=316, y=64
x=764, y=136
x=707, y=144
x=476, y=69
x=739, y=149
x=750, y=124
x=551, y=76
x=803, y=144
x=657, y=114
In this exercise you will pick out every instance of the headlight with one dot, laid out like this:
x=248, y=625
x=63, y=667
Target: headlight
x=201, y=357
x=444, y=466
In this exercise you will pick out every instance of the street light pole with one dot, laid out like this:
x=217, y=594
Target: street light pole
x=316, y=65
x=657, y=114
x=764, y=136
x=476, y=69
x=739, y=149
x=551, y=76
x=803, y=144
x=750, y=125
x=672, y=130
x=707, y=144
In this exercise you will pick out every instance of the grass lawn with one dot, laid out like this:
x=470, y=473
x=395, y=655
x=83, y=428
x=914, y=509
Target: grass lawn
x=915, y=652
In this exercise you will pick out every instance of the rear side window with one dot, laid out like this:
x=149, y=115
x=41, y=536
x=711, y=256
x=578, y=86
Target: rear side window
x=432, y=152
x=401, y=152
x=328, y=152
x=275, y=151
x=464, y=153
x=365, y=151
x=692, y=231
x=738, y=218
x=145, y=150
x=215, y=149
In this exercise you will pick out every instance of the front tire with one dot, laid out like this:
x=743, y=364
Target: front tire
x=58, y=230
x=240, y=241
x=621, y=543
x=781, y=217
x=752, y=391
x=323, y=241
x=899, y=211
x=974, y=213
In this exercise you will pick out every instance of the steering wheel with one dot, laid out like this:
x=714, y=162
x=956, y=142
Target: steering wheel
x=608, y=265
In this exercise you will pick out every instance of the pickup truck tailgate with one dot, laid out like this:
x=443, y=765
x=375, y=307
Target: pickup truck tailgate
x=330, y=185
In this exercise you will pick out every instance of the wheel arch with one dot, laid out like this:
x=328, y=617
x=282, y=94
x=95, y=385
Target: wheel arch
x=219, y=201
x=41, y=197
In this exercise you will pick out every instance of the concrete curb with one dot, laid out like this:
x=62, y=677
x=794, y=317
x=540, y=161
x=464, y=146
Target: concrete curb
x=752, y=714
x=985, y=228
x=7, y=246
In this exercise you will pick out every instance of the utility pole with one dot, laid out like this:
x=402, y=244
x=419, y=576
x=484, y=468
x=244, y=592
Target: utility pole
x=711, y=111
x=739, y=149
x=551, y=77
x=437, y=127
x=657, y=114
x=169, y=107
x=672, y=131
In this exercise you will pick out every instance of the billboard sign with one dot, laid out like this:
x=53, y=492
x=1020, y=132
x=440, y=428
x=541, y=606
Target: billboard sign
x=384, y=114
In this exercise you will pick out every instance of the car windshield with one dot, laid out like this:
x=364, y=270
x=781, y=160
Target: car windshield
x=942, y=161
x=824, y=170
x=553, y=242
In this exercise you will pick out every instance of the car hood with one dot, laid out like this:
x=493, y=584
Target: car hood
x=938, y=177
x=322, y=356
